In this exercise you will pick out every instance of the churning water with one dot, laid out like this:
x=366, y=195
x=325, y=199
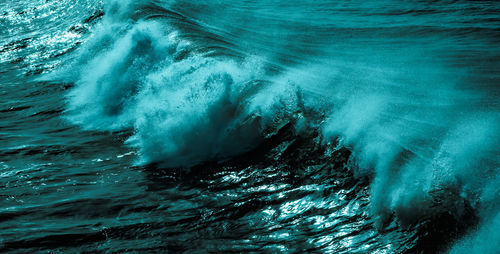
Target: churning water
x=250, y=126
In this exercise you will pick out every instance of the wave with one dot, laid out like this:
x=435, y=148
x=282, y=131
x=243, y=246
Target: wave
x=417, y=125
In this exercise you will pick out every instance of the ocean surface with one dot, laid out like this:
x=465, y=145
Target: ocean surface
x=221, y=126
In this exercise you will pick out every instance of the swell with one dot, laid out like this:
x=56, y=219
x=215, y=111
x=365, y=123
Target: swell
x=414, y=103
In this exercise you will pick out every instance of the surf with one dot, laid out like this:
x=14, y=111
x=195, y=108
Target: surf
x=420, y=123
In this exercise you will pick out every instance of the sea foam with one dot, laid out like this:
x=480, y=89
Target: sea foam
x=409, y=119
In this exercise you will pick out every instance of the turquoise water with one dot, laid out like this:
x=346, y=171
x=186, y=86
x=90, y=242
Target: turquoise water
x=249, y=126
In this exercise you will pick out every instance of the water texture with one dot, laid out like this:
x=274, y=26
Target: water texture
x=250, y=126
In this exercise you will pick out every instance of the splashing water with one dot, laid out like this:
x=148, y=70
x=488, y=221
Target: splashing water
x=403, y=109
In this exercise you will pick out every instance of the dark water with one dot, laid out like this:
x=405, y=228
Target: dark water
x=249, y=126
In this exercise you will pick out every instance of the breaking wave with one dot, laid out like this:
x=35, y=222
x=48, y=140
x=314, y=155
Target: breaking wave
x=421, y=120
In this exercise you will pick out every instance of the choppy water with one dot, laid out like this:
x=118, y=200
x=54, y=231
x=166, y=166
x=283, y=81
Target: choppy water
x=240, y=126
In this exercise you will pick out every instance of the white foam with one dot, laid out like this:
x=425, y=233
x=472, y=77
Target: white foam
x=408, y=121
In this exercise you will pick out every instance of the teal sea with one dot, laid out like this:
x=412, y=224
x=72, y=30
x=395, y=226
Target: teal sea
x=222, y=126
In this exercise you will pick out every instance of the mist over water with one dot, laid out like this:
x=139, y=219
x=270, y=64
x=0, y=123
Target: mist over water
x=363, y=126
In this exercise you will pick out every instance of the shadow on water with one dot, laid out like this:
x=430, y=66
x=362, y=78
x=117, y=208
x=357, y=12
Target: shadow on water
x=241, y=188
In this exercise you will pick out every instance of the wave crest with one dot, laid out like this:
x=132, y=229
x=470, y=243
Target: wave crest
x=410, y=120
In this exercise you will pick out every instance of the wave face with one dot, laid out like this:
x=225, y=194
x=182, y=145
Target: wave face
x=364, y=126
